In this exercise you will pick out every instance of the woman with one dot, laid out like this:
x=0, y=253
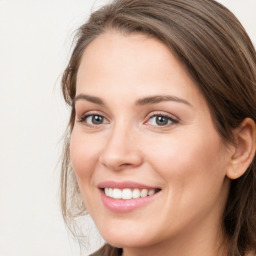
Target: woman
x=160, y=148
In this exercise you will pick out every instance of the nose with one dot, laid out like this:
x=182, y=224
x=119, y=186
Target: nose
x=121, y=150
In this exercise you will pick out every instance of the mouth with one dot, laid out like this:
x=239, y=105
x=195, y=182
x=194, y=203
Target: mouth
x=126, y=196
x=129, y=193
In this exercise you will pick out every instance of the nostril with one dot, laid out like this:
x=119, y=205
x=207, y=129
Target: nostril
x=117, y=159
x=125, y=164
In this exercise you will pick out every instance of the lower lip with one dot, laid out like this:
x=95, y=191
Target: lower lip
x=121, y=205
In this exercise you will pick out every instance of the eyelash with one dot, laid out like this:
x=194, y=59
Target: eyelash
x=170, y=119
x=83, y=118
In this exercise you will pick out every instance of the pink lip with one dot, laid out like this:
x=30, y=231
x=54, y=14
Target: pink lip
x=121, y=205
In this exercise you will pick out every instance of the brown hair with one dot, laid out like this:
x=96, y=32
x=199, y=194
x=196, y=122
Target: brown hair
x=218, y=54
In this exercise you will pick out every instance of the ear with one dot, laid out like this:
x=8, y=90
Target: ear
x=244, y=149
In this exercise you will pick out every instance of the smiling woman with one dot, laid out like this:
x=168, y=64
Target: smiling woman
x=160, y=149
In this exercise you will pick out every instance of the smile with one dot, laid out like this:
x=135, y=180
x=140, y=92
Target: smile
x=128, y=193
x=126, y=196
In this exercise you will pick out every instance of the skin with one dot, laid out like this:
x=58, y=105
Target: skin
x=186, y=158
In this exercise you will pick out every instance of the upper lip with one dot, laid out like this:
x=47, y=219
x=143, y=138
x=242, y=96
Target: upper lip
x=124, y=184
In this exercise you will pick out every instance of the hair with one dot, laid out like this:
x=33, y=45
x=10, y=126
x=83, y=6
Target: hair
x=215, y=49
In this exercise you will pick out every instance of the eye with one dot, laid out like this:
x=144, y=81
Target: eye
x=93, y=119
x=161, y=120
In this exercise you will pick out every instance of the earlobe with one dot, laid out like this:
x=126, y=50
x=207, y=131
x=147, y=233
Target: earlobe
x=245, y=144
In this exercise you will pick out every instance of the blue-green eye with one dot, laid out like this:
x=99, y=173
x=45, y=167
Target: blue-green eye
x=160, y=120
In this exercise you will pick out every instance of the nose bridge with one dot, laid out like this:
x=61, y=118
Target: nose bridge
x=121, y=149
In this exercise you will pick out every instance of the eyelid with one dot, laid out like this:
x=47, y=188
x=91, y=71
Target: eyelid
x=173, y=118
x=82, y=118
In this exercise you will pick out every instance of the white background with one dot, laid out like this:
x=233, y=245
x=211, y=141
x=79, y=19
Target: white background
x=35, y=42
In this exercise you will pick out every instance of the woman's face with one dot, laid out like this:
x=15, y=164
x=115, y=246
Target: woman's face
x=144, y=135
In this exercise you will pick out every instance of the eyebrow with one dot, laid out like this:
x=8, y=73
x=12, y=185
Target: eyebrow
x=160, y=98
x=143, y=101
x=89, y=98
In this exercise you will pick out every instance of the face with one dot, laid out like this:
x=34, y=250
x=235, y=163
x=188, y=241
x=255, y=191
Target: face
x=149, y=162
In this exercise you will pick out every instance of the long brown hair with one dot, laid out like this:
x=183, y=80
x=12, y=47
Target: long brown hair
x=218, y=54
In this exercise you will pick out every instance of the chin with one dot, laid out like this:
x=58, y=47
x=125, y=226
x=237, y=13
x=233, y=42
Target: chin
x=127, y=243
x=125, y=239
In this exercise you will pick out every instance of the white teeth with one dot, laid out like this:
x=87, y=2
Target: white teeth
x=144, y=192
x=127, y=193
x=151, y=192
x=135, y=193
x=117, y=193
x=107, y=191
x=110, y=192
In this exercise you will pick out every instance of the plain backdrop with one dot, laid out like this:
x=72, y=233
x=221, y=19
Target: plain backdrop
x=35, y=44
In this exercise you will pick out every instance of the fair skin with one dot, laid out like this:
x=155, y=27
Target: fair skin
x=141, y=121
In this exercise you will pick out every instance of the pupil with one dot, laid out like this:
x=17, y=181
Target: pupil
x=97, y=119
x=160, y=120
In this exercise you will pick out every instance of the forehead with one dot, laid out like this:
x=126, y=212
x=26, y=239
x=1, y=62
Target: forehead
x=113, y=49
x=132, y=63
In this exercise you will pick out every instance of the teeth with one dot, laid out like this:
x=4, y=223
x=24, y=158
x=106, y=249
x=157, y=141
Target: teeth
x=151, y=192
x=127, y=193
x=136, y=193
x=117, y=193
x=144, y=193
x=110, y=192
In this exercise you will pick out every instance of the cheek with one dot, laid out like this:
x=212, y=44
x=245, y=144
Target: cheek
x=83, y=154
x=194, y=173
x=190, y=160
